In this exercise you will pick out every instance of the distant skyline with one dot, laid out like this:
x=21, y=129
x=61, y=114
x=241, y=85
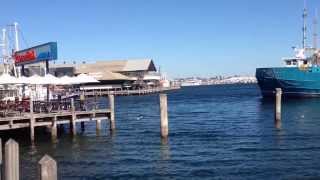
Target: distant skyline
x=185, y=37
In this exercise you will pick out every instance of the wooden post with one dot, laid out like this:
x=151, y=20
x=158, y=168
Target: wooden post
x=54, y=129
x=82, y=101
x=11, y=160
x=112, y=118
x=47, y=168
x=98, y=123
x=32, y=119
x=278, y=108
x=164, y=116
x=73, y=119
x=82, y=126
x=1, y=166
x=95, y=100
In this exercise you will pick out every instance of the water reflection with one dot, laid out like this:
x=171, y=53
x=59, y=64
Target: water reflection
x=278, y=124
x=279, y=136
x=33, y=149
x=165, y=149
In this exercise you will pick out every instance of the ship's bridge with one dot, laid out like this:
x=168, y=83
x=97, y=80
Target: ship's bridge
x=297, y=62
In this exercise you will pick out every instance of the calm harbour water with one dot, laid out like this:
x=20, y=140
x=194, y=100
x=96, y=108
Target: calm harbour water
x=216, y=132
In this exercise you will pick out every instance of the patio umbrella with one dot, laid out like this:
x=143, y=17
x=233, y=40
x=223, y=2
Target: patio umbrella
x=51, y=79
x=84, y=78
x=24, y=80
x=65, y=80
x=36, y=80
x=6, y=78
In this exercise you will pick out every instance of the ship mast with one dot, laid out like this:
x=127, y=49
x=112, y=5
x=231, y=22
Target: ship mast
x=4, y=51
x=16, y=48
x=304, y=29
x=16, y=36
x=315, y=29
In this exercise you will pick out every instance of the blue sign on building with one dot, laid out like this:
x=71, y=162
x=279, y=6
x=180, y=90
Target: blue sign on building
x=43, y=52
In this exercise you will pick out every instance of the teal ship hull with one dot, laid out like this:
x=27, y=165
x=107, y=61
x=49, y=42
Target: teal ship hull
x=293, y=81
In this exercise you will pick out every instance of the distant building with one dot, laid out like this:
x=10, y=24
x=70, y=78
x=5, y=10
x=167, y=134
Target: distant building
x=118, y=74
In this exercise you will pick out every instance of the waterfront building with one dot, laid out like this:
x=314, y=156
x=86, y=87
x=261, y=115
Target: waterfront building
x=116, y=74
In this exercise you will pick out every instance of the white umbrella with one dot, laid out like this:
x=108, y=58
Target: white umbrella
x=8, y=79
x=84, y=78
x=24, y=80
x=51, y=79
x=35, y=79
x=64, y=80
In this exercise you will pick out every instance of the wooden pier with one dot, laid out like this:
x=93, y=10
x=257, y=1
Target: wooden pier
x=123, y=92
x=71, y=116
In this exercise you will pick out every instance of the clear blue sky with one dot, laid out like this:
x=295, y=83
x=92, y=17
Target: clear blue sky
x=184, y=37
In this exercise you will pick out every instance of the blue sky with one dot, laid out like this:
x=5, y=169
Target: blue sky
x=184, y=37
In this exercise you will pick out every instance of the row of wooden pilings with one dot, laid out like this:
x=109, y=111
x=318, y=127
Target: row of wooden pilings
x=47, y=166
x=73, y=120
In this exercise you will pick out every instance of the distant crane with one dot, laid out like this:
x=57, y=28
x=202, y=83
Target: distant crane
x=8, y=60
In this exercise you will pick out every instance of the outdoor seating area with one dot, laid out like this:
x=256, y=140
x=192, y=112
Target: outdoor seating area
x=21, y=108
x=48, y=93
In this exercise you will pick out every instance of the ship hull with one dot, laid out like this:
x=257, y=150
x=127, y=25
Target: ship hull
x=293, y=81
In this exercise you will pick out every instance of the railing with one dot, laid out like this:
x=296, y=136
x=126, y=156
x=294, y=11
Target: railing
x=19, y=108
x=100, y=92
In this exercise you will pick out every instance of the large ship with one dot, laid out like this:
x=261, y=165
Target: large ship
x=300, y=77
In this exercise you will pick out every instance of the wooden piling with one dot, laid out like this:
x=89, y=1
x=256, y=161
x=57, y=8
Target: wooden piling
x=82, y=126
x=32, y=119
x=47, y=168
x=54, y=129
x=96, y=106
x=98, y=123
x=164, y=116
x=112, y=118
x=1, y=166
x=278, y=107
x=73, y=119
x=11, y=160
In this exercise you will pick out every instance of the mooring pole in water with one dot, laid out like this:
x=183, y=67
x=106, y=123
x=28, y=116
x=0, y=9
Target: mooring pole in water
x=278, y=107
x=73, y=119
x=54, y=129
x=11, y=157
x=164, y=116
x=1, y=165
x=47, y=168
x=98, y=123
x=32, y=120
x=82, y=126
x=112, y=118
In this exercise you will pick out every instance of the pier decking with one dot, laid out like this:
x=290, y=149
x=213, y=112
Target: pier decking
x=104, y=92
x=71, y=115
x=47, y=119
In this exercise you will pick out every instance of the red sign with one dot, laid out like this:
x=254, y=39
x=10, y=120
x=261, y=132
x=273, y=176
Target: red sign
x=26, y=56
x=43, y=52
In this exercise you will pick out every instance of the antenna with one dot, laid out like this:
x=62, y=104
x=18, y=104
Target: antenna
x=315, y=29
x=4, y=50
x=16, y=36
x=4, y=45
x=304, y=29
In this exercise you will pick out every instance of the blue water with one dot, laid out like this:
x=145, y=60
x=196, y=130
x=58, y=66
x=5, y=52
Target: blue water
x=216, y=132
